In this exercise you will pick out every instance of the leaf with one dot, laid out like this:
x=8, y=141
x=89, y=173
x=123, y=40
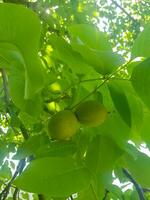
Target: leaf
x=138, y=165
x=86, y=194
x=30, y=146
x=5, y=171
x=16, y=81
x=9, y=53
x=141, y=80
x=102, y=154
x=141, y=46
x=136, y=109
x=3, y=151
x=131, y=195
x=135, y=105
x=104, y=62
x=57, y=177
x=116, y=129
x=64, y=52
x=120, y=101
x=59, y=148
x=21, y=28
x=97, y=52
x=107, y=181
x=90, y=36
x=145, y=128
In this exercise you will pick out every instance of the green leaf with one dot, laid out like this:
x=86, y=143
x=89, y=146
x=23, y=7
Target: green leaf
x=21, y=28
x=117, y=129
x=64, y=52
x=9, y=53
x=3, y=151
x=145, y=129
x=5, y=171
x=16, y=81
x=141, y=80
x=120, y=101
x=138, y=165
x=135, y=105
x=30, y=146
x=90, y=36
x=57, y=177
x=136, y=109
x=97, y=52
x=141, y=46
x=131, y=194
x=59, y=148
x=102, y=154
x=87, y=194
x=107, y=180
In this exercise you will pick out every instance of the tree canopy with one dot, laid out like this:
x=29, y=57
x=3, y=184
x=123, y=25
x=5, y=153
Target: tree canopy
x=74, y=99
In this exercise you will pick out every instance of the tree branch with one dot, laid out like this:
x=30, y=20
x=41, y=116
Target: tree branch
x=15, y=194
x=19, y=169
x=136, y=185
x=41, y=197
x=146, y=190
x=71, y=197
x=106, y=193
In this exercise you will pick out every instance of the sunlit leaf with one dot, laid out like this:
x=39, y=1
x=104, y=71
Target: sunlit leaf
x=120, y=101
x=138, y=165
x=16, y=80
x=30, y=146
x=96, y=52
x=90, y=36
x=141, y=46
x=102, y=154
x=21, y=27
x=64, y=52
x=141, y=80
x=57, y=177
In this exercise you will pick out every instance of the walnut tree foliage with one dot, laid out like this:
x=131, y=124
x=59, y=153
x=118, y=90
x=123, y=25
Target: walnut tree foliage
x=54, y=56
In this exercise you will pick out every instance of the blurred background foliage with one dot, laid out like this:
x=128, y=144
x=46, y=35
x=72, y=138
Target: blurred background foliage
x=122, y=20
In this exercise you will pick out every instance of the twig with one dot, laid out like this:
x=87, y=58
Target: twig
x=92, y=79
x=6, y=184
x=104, y=81
x=106, y=193
x=41, y=197
x=23, y=130
x=19, y=169
x=146, y=190
x=71, y=197
x=15, y=194
x=92, y=92
x=136, y=185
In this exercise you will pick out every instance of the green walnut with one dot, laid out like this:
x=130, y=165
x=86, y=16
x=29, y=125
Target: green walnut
x=91, y=113
x=63, y=125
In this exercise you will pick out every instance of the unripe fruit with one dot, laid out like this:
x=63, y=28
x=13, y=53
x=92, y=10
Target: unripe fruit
x=63, y=125
x=91, y=113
